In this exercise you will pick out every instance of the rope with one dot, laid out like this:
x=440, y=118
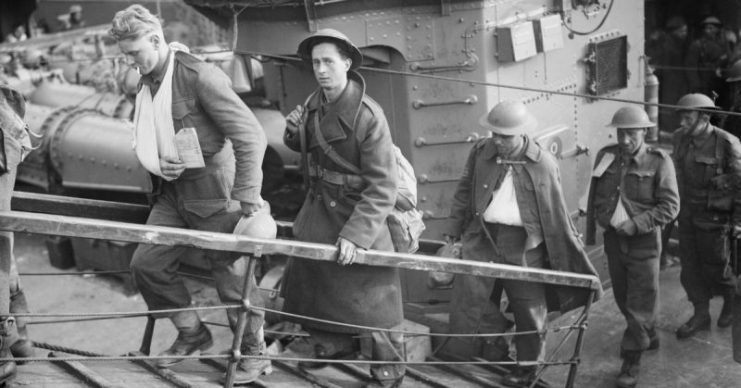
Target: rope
x=285, y=359
x=475, y=82
x=506, y=86
x=111, y=315
x=57, y=348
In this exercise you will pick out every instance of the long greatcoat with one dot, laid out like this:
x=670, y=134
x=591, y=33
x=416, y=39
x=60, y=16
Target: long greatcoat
x=564, y=248
x=355, y=126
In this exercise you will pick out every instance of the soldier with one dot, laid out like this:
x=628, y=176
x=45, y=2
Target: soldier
x=632, y=195
x=15, y=144
x=180, y=93
x=341, y=127
x=667, y=51
x=704, y=56
x=706, y=157
x=509, y=208
x=732, y=123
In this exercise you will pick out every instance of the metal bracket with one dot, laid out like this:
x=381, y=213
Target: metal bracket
x=467, y=65
x=421, y=141
x=470, y=100
x=310, y=14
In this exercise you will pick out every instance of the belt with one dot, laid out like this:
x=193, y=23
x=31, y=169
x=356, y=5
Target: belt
x=334, y=177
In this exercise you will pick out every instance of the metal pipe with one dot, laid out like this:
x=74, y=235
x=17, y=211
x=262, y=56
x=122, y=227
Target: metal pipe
x=241, y=322
x=579, y=341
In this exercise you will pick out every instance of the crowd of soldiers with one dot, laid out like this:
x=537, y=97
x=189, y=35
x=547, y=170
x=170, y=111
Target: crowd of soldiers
x=508, y=208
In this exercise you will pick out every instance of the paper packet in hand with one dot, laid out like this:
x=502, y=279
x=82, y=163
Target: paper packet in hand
x=189, y=150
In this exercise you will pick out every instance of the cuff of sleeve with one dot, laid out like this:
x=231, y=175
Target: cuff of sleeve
x=643, y=224
x=361, y=242
x=247, y=194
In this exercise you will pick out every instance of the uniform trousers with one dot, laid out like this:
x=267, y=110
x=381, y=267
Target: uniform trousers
x=154, y=267
x=704, y=254
x=384, y=346
x=527, y=299
x=633, y=263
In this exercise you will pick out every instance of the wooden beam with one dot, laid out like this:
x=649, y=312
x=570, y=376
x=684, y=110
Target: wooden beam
x=73, y=206
x=82, y=372
x=148, y=234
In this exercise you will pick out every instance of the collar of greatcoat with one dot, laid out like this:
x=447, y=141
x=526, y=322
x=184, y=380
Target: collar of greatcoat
x=532, y=151
x=342, y=114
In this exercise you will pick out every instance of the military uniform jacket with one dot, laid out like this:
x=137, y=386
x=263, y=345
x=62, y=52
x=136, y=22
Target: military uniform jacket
x=706, y=165
x=202, y=98
x=355, y=126
x=645, y=182
x=474, y=193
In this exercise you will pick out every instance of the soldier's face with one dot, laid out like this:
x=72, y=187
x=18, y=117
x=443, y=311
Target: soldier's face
x=630, y=139
x=141, y=53
x=690, y=120
x=330, y=67
x=506, y=144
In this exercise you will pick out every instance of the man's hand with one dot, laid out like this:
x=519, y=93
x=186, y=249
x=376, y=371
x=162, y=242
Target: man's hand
x=293, y=120
x=249, y=209
x=347, y=251
x=627, y=228
x=171, y=168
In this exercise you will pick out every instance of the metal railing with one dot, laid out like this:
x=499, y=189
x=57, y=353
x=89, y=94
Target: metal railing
x=254, y=248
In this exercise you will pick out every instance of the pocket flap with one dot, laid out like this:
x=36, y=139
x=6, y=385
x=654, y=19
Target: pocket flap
x=642, y=174
x=205, y=207
x=706, y=160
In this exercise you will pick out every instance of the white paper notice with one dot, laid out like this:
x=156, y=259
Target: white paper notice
x=189, y=150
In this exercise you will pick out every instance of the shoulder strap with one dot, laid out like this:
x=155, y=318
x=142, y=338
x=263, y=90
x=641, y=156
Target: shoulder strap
x=719, y=154
x=304, y=144
x=330, y=151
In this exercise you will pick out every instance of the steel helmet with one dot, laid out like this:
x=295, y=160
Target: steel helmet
x=696, y=101
x=734, y=73
x=631, y=117
x=304, y=48
x=259, y=225
x=711, y=20
x=509, y=117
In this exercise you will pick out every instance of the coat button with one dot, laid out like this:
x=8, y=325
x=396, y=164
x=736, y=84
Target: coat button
x=486, y=186
x=332, y=203
x=477, y=214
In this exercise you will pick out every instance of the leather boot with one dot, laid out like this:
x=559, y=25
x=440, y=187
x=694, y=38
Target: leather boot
x=726, y=313
x=698, y=322
x=21, y=346
x=628, y=377
x=7, y=368
x=192, y=337
x=249, y=369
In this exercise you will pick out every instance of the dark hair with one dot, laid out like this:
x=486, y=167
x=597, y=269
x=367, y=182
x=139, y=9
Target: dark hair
x=341, y=46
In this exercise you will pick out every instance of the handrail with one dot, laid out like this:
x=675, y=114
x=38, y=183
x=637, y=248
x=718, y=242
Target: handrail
x=149, y=234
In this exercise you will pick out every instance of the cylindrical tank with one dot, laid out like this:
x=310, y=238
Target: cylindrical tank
x=84, y=149
x=652, y=97
x=58, y=94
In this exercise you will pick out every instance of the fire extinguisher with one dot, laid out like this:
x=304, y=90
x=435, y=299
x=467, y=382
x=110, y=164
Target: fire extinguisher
x=651, y=96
